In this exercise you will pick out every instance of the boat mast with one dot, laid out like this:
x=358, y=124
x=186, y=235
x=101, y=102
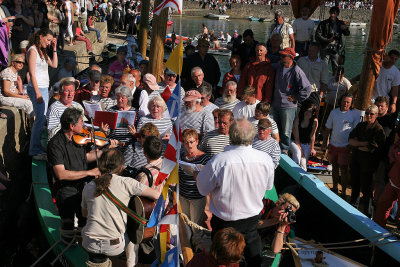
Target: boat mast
x=158, y=30
x=381, y=29
x=144, y=27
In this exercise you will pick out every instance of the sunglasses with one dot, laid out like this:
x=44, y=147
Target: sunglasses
x=21, y=62
x=262, y=128
x=171, y=75
x=369, y=113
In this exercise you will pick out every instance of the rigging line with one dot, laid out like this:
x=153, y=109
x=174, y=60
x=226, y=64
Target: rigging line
x=327, y=249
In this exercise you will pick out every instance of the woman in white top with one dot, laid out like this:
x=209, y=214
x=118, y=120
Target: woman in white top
x=38, y=88
x=104, y=234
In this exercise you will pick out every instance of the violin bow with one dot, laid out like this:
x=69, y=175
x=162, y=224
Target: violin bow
x=94, y=142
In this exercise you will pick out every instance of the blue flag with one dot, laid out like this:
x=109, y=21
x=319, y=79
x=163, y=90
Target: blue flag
x=157, y=213
x=174, y=101
x=171, y=259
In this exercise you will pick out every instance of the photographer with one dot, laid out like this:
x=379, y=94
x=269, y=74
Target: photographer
x=274, y=225
x=329, y=36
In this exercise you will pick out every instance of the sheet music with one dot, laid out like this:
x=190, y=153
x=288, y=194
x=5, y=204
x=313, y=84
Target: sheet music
x=92, y=107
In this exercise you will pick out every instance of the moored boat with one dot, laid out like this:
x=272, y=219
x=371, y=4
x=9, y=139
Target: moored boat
x=217, y=17
x=251, y=18
x=326, y=217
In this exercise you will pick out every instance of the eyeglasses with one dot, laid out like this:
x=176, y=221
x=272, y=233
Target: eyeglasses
x=21, y=62
x=369, y=113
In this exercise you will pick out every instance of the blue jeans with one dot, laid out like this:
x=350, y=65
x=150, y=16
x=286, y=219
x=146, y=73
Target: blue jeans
x=97, y=32
x=284, y=117
x=40, y=110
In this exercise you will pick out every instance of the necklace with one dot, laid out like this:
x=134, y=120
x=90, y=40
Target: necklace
x=191, y=158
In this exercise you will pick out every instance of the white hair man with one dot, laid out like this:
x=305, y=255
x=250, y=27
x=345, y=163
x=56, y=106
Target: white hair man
x=245, y=172
x=140, y=97
x=228, y=99
x=194, y=116
x=197, y=75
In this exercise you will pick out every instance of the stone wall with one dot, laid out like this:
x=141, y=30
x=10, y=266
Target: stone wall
x=239, y=11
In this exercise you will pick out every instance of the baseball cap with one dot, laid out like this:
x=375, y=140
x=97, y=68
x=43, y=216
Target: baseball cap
x=192, y=95
x=169, y=72
x=288, y=51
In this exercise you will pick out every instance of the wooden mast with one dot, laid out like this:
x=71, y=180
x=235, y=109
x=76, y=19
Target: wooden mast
x=144, y=26
x=158, y=30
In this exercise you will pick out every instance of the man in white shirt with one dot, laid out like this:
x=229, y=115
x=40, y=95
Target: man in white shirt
x=140, y=97
x=340, y=123
x=236, y=181
x=317, y=72
x=388, y=80
x=303, y=29
x=246, y=108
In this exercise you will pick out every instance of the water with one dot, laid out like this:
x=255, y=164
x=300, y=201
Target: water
x=354, y=43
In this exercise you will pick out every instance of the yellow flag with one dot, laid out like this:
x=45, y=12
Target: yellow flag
x=175, y=60
x=172, y=179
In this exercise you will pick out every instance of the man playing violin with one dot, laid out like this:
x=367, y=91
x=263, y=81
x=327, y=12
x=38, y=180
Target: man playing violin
x=69, y=163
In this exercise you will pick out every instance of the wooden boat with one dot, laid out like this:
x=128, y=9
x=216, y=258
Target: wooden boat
x=251, y=18
x=49, y=219
x=325, y=217
x=217, y=16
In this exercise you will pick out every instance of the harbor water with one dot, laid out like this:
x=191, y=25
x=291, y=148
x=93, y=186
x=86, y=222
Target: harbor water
x=354, y=43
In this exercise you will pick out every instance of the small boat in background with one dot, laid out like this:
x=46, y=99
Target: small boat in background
x=251, y=18
x=217, y=17
x=358, y=24
x=265, y=20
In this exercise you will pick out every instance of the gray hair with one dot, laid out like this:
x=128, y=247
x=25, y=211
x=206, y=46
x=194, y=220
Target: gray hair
x=242, y=132
x=124, y=90
x=279, y=13
x=231, y=83
x=65, y=82
x=95, y=67
x=157, y=100
x=130, y=77
x=205, y=89
x=373, y=108
x=196, y=69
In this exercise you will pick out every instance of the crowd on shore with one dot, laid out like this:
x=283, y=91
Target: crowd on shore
x=213, y=4
x=269, y=103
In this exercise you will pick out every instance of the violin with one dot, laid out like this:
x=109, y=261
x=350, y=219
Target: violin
x=86, y=137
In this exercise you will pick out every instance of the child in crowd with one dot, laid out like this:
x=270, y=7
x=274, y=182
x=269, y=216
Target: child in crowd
x=116, y=68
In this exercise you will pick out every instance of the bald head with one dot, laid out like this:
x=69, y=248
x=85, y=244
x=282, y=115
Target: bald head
x=242, y=132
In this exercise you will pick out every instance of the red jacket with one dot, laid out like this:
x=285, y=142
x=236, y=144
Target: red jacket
x=261, y=76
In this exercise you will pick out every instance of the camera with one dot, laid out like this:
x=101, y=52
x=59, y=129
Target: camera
x=291, y=215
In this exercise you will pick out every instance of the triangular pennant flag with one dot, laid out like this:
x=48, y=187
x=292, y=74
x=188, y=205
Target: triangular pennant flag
x=175, y=60
x=166, y=93
x=174, y=4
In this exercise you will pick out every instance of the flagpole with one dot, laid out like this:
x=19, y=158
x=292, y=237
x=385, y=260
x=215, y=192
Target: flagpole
x=178, y=130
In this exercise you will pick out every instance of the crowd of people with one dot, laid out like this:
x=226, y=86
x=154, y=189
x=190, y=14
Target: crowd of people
x=269, y=103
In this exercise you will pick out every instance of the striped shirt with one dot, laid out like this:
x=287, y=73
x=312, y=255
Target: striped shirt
x=56, y=110
x=201, y=121
x=213, y=143
x=210, y=108
x=164, y=125
x=138, y=159
x=123, y=135
x=225, y=105
x=273, y=123
x=187, y=183
x=269, y=146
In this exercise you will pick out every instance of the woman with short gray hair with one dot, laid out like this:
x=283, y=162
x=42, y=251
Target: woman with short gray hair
x=124, y=135
x=157, y=107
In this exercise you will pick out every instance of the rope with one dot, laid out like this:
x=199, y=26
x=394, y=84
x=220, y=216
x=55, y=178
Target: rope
x=192, y=224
